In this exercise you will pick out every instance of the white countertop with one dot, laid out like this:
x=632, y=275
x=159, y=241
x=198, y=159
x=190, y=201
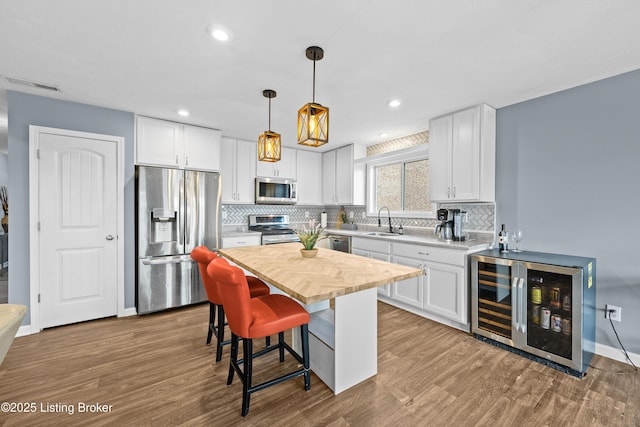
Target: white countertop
x=477, y=240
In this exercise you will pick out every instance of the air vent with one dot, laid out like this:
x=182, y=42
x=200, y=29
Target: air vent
x=30, y=83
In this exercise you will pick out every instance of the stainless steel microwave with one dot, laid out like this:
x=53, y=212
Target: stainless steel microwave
x=276, y=191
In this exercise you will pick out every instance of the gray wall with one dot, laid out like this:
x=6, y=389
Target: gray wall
x=567, y=175
x=25, y=110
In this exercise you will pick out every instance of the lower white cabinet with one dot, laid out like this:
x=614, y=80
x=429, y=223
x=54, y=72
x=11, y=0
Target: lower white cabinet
x=375, y=249
x=236, y=241
x=441, y=293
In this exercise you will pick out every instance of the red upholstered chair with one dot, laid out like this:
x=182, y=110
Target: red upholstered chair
x=203, y=256
x=251, y=318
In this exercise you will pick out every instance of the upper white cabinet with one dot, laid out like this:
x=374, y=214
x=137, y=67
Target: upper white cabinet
x=164, y=143
x=285, y=168
x=343, y=181
x=309, y=176
x=238, y=171
x=462, y=155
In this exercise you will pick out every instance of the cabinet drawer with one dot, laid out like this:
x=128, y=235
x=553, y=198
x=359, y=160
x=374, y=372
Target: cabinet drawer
x=371, y=244
x=430, y=253
x=239, y=241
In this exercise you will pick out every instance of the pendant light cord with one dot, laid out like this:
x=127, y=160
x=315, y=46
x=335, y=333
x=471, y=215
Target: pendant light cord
x=269, y=115
x=313, y=98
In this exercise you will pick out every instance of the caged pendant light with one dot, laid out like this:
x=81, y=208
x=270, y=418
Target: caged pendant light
x=313, y=119
x=269, y=142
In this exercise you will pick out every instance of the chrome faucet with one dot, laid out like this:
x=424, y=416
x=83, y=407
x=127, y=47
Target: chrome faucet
x=389, y=216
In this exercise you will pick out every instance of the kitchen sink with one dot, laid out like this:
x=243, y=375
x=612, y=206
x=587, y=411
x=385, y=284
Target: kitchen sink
x=379, y=233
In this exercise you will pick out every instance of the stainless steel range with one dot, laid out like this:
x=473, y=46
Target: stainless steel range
x=274, y=228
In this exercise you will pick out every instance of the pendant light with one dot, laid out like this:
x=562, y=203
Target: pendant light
x=269, y=142
x=313, y=119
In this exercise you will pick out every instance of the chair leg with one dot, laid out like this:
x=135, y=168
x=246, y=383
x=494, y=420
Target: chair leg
x=234, y=357
x=247, y=345
x=220, y=332
x=267, y=341
x=281, y=345
x=212, y=321
x=304, y=331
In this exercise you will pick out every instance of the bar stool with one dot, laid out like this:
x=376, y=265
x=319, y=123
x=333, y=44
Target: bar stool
x=251, y=318
x=203, y=256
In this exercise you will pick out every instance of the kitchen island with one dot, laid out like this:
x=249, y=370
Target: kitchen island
x=343, y=336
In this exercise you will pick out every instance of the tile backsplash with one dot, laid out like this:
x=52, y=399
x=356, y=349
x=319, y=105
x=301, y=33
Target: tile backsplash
x=480, y=216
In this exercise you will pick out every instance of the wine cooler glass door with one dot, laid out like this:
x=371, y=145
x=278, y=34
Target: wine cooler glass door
x=553, y=305
x=494, y=315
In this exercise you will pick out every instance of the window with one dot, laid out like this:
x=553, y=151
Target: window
x=400, y=181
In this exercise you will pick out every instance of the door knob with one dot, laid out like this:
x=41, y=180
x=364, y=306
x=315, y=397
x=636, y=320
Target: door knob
x=109, y=237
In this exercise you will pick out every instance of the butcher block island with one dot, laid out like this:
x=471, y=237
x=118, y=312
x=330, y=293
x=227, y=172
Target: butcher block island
x=343, y=336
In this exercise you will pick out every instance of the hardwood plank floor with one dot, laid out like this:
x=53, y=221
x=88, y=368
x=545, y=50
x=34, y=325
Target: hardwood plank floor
x=157, y=370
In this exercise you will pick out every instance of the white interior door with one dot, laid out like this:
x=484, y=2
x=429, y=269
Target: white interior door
x=78, y=226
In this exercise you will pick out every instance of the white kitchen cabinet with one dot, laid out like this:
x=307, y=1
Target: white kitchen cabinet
x=240, y=240
x=285, y=168
x=409, y=291
x=445, y=291
x=238, y=171
x=170, y=144
x=309, y=177
x=375, y=249
x=442, y=290
x=462, y=149
x=343, y=180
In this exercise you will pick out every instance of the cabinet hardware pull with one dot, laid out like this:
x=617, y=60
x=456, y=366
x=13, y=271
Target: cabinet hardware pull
x=423, y=253
x=186, y=160
x=454, y=192
x=176, y=159
x=448, y=192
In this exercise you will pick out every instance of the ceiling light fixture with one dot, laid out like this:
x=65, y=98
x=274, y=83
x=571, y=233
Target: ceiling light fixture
x=313, y=119
x=394, y=103
x=183, y=113
x=219, y=33
x=269, y=142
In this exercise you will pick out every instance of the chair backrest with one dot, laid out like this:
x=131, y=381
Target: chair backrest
x=203, y=256
x=236, y=298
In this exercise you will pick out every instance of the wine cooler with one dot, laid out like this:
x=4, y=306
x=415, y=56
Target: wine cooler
x=537, y=304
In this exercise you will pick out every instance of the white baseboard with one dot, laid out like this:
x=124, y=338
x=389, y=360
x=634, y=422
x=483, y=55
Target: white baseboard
x=616, y=354
x=24, y=330
x=128, y=312
x=27, y=330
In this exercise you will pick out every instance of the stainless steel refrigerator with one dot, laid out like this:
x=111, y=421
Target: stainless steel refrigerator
x=177, y=210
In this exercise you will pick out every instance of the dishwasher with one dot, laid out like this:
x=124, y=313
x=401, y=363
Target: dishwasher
x=341, y=243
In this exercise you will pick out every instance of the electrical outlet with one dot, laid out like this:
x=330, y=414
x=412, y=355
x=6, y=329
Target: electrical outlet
x=614, y=312
x=351, y=214
x=306, y=214
x=364, y=215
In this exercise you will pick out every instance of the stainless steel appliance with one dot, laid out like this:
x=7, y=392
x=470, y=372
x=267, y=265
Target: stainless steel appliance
x=274, y=228
x=542, y=305
x=459, y=218
x=444, y=230
x=340, y=243
x=177, y=210
x=274, y=191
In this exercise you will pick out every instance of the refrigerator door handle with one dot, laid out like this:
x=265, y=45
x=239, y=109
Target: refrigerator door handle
x=167, y=260
x=523, y=306
x=516, y=314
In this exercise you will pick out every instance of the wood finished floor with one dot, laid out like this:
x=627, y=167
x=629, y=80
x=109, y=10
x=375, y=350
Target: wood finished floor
x=156, y=370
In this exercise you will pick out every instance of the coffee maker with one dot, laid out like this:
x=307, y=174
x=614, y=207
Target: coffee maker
x=459, y=219
x=444, y=230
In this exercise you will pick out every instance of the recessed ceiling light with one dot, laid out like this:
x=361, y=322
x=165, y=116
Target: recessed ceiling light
x=183, y=113
x=219, y=33
x=383, y=135
x=394, y=103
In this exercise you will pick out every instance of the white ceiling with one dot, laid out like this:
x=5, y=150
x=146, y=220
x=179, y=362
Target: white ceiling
x=153, y=57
